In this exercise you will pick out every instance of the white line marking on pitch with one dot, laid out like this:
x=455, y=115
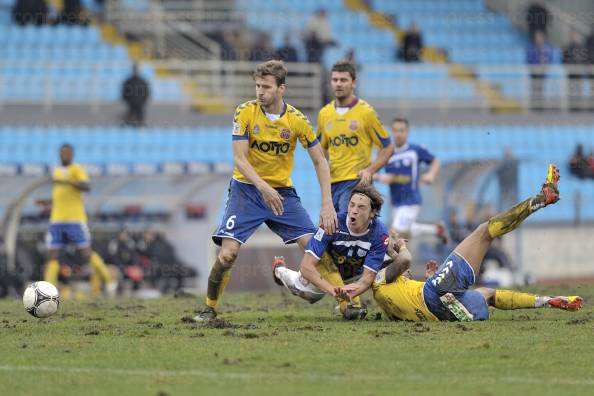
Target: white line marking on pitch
x=325, y=377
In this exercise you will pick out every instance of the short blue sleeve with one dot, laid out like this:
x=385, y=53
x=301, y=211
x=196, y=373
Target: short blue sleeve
x=424, y=155
x=318, y=244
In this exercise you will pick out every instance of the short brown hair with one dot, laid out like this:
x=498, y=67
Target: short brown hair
x=345, y=66
x=274, y=68
x=370, y=192
x=400, y=119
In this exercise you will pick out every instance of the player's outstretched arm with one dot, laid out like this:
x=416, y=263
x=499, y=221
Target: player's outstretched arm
x=309, y=272
x=328, y=219
x=240, y=157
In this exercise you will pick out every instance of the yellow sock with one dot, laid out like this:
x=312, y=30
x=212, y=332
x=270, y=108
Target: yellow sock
x=507, y=221
x=95, y=282
x=52, y=269
x=509, y=299
x=217, y=282
x=97, y=264
x=329, y=272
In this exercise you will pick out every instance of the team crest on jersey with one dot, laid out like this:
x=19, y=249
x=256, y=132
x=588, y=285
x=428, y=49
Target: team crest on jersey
x=328, y=126
x=256, y=130
x=285, y=134
x=361, y=253
x=353, y=125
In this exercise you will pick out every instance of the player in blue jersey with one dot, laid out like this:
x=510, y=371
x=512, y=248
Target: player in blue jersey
x=357, y=249
x=446, y=294
x=403, y=173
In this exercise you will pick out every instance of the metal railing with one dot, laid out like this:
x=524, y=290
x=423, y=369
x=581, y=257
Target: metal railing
x=386, y=86
x=95, y=83
x=233, y=81
x=174, y=29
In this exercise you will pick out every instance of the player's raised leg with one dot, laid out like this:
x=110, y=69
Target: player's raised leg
x=474, y=247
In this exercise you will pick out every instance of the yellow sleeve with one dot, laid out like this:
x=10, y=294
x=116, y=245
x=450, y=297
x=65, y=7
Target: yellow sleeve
x=321, y=131
x=376, y=130
x=307, y=136
x=80, y=174
x=241, y=121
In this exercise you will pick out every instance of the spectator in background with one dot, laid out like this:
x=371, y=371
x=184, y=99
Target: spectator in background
x=412, y=44
x=538, y=56
x=262, y=49
x=575, y=55
x=30, y=12
x=135, y=92
x=578, y=164
x=122, y=251
x=287, y=53
x=537, y=18
x=73, y=13
x=317, y=36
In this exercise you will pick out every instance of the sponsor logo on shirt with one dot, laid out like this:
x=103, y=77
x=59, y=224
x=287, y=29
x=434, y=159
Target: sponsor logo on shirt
x=348, y=141
x=274, y=147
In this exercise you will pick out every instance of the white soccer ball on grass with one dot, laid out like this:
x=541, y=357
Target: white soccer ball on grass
x=41, y=299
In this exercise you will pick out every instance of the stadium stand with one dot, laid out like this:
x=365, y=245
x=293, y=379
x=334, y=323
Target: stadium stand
x=67, y=64
x=112, y=151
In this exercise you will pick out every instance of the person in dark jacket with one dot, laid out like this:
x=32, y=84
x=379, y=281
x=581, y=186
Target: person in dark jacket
x=412, y=44
x=287, y=53
x=135, y=92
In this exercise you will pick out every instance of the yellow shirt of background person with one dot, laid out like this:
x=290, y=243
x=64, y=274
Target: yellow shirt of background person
x=67, y=202
x=401, y=299
x=350, y=137
x=271, y=142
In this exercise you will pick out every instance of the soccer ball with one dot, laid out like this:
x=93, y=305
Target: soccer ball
x=41, y=299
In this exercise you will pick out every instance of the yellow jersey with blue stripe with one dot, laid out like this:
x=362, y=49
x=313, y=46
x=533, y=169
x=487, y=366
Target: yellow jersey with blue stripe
x=350, y=138
x=67, y=201
x=402, y=299
x=272, y=143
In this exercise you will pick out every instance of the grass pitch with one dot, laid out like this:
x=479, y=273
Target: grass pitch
x=273, y=344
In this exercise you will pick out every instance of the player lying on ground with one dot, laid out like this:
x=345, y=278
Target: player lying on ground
x=356, y=251
x=445, y=294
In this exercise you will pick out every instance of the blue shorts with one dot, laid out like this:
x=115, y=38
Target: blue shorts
x=454, y=276
x=246, y=211
x=61, y=234
x=341, y=194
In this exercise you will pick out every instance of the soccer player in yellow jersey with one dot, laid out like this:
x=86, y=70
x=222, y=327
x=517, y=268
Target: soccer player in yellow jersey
x=68, y=222
x=265, y=135
x=446, y=295
x=349, y=128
